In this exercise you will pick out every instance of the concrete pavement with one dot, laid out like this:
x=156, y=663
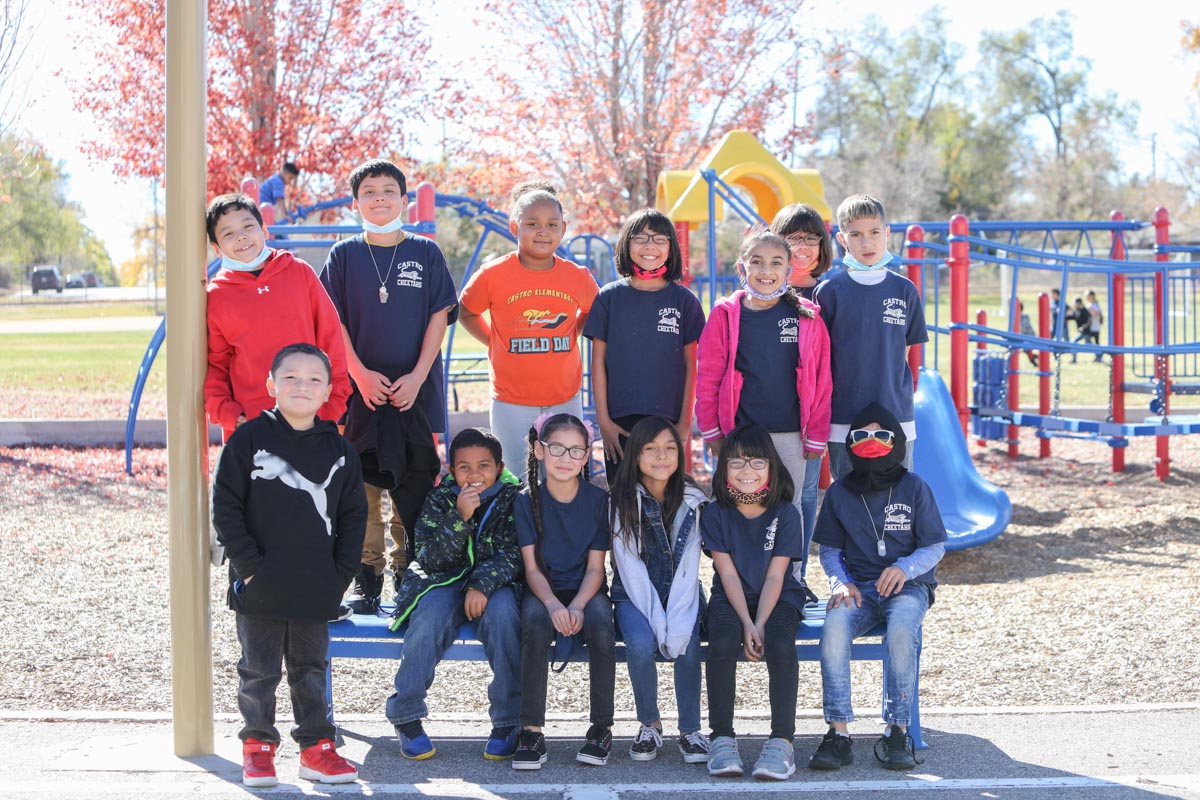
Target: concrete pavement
x=1132, y=753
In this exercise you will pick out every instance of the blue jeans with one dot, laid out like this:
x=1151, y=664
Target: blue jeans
x=640, y=653
x=903, y=614
x=808, y=507
x=432, y=627
x=839, y=459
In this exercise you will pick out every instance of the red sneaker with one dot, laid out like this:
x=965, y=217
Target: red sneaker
x=322, y=763
x=258, y=763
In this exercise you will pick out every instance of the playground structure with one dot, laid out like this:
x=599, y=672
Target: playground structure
x=741, y=178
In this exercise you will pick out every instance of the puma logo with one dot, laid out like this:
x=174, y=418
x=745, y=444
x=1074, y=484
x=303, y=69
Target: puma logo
x=270, y=466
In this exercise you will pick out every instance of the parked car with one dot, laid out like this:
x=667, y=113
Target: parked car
x=91, y=280
x=47, y=278
x=75, y=282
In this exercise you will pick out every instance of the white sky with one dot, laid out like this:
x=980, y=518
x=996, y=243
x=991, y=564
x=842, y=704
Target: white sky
x=1135, y=52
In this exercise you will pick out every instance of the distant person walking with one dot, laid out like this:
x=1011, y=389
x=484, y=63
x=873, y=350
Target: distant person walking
x=1095, y=320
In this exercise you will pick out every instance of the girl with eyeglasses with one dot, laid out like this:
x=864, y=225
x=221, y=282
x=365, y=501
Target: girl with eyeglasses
x=753, y=534
x=806, y=233
x=881, y=537
x=802, y=227
x=562, y=528
x=764, y=360
x=644, y=324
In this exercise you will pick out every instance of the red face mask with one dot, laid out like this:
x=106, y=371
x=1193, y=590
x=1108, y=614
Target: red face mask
x=648, y=274
x=871, y=448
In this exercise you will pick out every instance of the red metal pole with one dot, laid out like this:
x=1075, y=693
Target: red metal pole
x=960, y=264
x=1162, y=367
x=1116, y=332
x=426, y=206
x=250, y=188
x=1014, y=383
x=914, y=254
x=981, y=321
x=683, y=233
x=1044, y=331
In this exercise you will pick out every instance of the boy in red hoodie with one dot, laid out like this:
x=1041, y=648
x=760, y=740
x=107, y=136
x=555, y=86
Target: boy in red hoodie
x=261, y=300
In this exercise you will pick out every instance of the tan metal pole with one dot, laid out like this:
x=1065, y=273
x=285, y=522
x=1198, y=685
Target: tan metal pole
x=187, y=434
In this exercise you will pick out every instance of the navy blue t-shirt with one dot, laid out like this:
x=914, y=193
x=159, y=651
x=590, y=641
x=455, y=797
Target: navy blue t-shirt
x=571, y=531
x=869, y=328
x=767, y=358
x=645, y=333
x=752, y=543
x=909, y=521
x=387, y=337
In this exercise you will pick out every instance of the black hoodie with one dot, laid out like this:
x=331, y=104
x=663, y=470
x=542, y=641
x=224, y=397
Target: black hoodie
x=290, y=509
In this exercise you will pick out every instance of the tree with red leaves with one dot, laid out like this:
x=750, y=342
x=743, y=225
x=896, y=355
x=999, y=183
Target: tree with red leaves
x=600, y=96
x=323, y=83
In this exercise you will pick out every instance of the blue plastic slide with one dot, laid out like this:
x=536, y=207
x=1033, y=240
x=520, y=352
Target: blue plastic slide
x=975, y=510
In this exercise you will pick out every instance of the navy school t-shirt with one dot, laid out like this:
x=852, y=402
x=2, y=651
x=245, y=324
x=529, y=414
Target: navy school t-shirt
x=646, y=333
x=752, y=543
x=570, y=531
x=909, y=521
x=869, y=328
x=767, y=357
x=387, y=337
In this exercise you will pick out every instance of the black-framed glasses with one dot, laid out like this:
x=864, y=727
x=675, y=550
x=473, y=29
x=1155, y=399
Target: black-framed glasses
x=560, y=450
x=862, y=434
x=660, y=239
x=742, y=463
x=811, y=240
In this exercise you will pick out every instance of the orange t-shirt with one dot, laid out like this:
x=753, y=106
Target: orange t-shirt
x=533, y=356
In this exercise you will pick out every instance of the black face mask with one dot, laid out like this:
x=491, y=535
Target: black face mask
x=873, y=474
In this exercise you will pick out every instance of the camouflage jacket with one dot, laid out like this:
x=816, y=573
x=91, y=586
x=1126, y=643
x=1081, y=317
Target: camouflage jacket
x=480, y=553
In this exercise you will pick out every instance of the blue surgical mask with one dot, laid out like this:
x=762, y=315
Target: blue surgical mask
x=390, y=227
x=780, y=292
x=854, y=264
x=246, y=266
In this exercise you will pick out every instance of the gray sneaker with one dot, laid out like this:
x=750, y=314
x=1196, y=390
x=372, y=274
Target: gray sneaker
x=777, y=761
x=723, y=758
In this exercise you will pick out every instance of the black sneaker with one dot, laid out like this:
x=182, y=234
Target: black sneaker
x=895, y=751
x=646, y=743
x=367, y=589
x=531, y=750
x=694, y=747
x=595, y=749
x=834, y=753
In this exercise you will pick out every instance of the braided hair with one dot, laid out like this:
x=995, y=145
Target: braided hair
x=533, y=468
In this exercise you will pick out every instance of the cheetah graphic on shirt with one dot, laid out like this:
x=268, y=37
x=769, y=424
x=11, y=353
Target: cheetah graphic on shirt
x=270, y=466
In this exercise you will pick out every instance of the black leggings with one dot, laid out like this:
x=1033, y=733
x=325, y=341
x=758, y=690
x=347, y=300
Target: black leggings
x=783, y=672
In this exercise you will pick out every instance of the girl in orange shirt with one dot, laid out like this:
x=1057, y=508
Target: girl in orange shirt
x=537, y=303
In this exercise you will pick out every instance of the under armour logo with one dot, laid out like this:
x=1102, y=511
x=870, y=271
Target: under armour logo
x=264, y=289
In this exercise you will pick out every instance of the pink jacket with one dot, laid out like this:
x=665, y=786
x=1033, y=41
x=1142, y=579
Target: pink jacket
x=719, y=385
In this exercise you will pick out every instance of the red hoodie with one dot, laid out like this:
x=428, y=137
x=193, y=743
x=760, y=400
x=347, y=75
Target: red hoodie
x=250, y=319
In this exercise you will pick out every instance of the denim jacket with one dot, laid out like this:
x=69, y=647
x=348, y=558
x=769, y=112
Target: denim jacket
x=661, y=577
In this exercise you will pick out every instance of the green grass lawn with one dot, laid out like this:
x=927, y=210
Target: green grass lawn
x=79, y=366
x=76, y=310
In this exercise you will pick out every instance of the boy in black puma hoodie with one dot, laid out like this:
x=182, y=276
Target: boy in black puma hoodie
x=289, y=507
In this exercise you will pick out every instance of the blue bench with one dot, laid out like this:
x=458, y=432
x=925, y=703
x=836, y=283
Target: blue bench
x=369, y=637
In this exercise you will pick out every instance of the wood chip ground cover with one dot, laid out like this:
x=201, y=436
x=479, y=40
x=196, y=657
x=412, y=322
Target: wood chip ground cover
x=1090, y=596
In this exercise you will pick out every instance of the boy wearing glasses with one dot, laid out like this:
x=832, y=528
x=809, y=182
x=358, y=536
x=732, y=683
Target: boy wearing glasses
x=873, y=315
x=881, y=538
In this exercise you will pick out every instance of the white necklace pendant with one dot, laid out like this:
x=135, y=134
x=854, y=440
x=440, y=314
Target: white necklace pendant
x=881, y=547
x=383, y=294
